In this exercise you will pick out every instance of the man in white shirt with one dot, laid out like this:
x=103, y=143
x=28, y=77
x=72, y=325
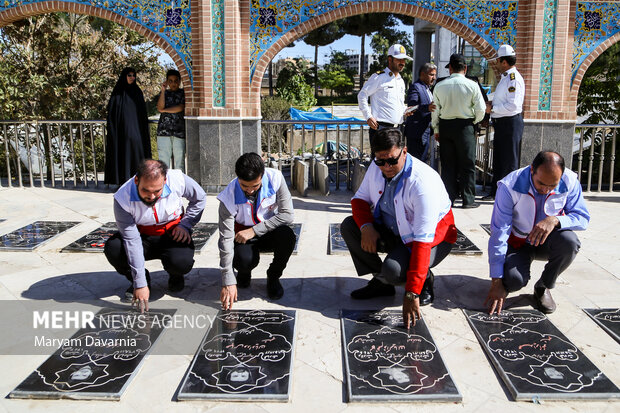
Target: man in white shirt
x=505, y=110
x=386, y=91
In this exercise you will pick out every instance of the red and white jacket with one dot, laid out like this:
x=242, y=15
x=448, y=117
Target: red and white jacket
x=423, y=213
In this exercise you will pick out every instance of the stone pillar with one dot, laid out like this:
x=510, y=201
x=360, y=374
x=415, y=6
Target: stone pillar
x=223, y=123
x=544, y=60
x=422, y=45
x=444, y=47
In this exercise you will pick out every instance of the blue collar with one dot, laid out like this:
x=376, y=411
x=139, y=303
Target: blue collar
x=134, y=196
x=266, y=190
x=524, y=183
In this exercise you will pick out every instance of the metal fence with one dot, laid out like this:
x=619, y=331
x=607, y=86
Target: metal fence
x=72, y=153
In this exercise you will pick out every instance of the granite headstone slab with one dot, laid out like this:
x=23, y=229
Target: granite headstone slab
x=385, y=361
x=246, y=355
x=94, y=241
x=486, y=228
x=202, y=233
x=336, y=242
x=297, y=228
x=463, y=245
x=33, y=235
x=608, y=319
x=535, y=360
x=99, y=362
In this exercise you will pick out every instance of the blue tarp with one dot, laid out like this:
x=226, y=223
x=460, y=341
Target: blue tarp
x=320, y=114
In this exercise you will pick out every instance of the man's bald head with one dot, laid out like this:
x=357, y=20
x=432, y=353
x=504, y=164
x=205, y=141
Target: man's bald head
x=547, y=170
x=548, y=160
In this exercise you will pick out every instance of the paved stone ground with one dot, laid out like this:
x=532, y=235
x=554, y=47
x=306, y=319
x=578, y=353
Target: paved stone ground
x=317, y=285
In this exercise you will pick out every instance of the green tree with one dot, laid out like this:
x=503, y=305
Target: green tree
x=64, y=66
x=597, y=101
x=295, y=67
x=363, y=25
x=322, y=36
x=336, y=80
x=297, y=91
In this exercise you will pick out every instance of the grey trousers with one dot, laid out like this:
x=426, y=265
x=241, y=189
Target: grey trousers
x=393, y=270
x=559, y=250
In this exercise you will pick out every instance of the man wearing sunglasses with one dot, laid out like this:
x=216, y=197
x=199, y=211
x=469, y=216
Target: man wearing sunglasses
x=401, y=208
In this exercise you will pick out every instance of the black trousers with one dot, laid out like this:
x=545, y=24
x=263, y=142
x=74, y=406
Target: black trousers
x=393, y=270
x=559, y=250
x=176, y=257
x=281, y=241
x=506, y=147
x=457, y=151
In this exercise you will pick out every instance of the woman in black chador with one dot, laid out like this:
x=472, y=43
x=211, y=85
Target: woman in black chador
x=128, y=141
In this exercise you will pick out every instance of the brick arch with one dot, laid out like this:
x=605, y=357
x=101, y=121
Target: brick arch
x=583, y=68
x=34, y=9
x=454, y=26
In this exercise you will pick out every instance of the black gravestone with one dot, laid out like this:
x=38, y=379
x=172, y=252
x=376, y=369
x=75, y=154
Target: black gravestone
x=535, y=360
x=33, y=235
x=336, y=242
x=608, y=319
x=386, y=362
x=93, y=241
x=202, y=233
x=246, y=355
x=99, y=362
x=463, y=245
x=486, y=228
x=2, y=220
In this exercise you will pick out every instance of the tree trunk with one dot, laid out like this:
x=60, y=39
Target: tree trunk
x=271, y=78
x=316, y=71
x=362, y=59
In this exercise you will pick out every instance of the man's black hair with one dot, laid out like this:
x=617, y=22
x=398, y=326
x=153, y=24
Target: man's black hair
x=249, y=166
x=548, y=159
x=151, y=169
x=511, y=60
x=386, y=139
x=173, y=72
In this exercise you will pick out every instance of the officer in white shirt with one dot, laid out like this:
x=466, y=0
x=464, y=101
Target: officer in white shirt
x=505, y=110
x=386, y=91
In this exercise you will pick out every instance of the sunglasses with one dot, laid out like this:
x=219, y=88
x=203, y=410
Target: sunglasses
x=389, y=161
x=131, y=75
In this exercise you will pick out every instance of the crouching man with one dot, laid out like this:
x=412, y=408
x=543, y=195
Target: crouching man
x=152, y=224
x=536, y=211
x=254, y=216
x=401, y=208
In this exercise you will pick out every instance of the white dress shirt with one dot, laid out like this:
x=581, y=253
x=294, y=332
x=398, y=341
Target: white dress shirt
x=508, y=96
x=387, y=97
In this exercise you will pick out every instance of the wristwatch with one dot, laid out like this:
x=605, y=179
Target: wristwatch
x=411, y=295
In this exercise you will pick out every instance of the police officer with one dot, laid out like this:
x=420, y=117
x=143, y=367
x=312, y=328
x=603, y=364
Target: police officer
x=386, y=91
x=505, y=110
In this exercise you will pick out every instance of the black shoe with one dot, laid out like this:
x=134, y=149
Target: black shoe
x=490, y=197
x=274, y=288
x=176, y=283
x=129, y=291
x=472, y=205
x=427, y=295
x=243, y=279
x=543, y=299
x=374, y=288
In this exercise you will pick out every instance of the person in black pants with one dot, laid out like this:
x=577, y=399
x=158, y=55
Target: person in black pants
x=254, y=216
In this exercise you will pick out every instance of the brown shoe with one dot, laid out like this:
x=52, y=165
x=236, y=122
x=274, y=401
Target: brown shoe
x=543, y=299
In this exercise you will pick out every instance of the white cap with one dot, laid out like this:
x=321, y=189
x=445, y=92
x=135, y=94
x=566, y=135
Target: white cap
x=503, y=51
x=398, y=52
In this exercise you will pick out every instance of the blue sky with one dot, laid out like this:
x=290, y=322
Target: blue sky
x=353, y=43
